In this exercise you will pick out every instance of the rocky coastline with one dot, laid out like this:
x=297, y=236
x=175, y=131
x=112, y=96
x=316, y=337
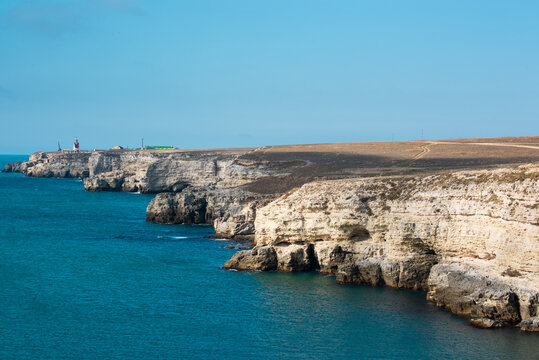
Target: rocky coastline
x=467, y=236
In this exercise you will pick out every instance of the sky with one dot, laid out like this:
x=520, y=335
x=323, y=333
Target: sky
x=202, y=73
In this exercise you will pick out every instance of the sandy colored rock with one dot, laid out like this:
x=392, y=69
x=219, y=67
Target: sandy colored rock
x=400, y=214
x=471, y=238
x=259, y=258
x=530, y=324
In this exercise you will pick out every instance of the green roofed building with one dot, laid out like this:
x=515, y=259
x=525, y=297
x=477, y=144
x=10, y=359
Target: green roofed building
x=160, y=147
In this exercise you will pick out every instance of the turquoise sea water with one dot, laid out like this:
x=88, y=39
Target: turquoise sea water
x=83, y=276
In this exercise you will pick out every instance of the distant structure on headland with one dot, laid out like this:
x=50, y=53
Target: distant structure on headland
x=116, y=148
x=76, y=148
x=159, y=147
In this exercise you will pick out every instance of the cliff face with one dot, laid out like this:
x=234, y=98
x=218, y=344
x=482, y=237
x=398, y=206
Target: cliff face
x=470, y=238
x=53, y=164
x=232, y=212
x=153, y=172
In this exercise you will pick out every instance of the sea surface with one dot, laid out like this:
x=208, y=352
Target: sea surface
x=83, y=276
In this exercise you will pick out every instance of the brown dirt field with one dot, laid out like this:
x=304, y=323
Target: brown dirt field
x=532, y=140
x=340, y=160
x=290, y=166
x=397, y=158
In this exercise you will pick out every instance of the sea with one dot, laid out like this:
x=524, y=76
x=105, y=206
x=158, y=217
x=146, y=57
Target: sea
x=84, y=276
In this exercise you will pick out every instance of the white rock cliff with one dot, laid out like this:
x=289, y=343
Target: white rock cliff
x=470, y=238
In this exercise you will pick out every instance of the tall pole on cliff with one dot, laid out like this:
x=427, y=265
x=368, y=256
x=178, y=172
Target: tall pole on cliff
x=142, y=146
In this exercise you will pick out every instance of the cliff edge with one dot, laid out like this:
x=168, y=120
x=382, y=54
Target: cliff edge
x=469, y=238
x=456, y=218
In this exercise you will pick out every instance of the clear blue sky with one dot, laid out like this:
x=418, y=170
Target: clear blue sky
x=245, y=73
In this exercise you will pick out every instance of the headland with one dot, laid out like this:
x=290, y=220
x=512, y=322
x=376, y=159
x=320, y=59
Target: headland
x=457, y=218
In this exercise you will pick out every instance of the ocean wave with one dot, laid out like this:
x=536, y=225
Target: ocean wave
x=237, y=246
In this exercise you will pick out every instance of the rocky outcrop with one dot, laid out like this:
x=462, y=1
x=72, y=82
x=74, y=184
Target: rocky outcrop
x=14, y=167
x=489, y=300
x=61, y=164
x=530, y=324
x=263, y=258
x=470, y=238
x=156, y=172
x=231, y=211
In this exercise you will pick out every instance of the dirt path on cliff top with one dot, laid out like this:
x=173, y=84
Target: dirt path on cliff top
x=488, y=144
x=425, y=148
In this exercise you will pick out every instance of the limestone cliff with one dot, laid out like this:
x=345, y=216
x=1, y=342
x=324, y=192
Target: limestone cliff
x=62, y=164
x=470, y=238
x=154, y=172
x=232, y=211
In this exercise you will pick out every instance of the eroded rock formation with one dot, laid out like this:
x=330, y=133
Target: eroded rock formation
x=469, y=238
x=154, y=172
x=231, y=211
x=53, y=164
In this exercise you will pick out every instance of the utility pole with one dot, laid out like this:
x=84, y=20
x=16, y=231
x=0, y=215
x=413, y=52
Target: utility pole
x=142, y=147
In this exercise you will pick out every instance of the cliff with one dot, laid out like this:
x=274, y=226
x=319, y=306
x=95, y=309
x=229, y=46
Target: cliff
x=165, y=171
x=469, y=238
x=154, y=172
x=456, y=218
x=53, y=164
x=232, y=212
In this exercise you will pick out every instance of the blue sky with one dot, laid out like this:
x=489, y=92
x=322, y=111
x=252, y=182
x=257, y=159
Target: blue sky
x=247, y=73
